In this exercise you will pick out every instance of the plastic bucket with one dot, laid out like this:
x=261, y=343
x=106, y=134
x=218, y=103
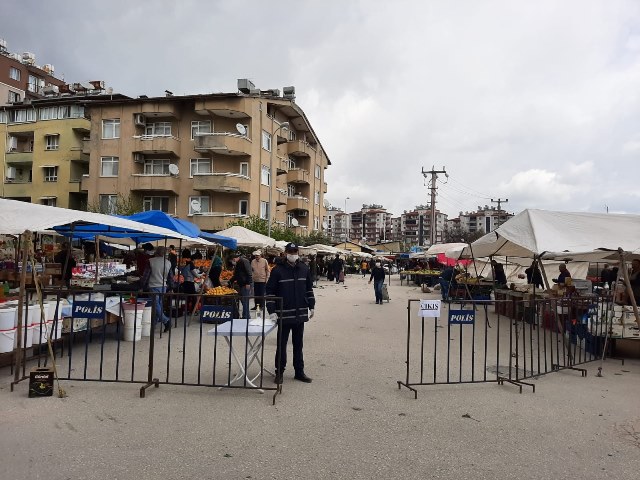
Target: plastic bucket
x=39, y=334
x=55, y=335
x=8, y=318
x=146, y=322
x=7, y=339
x=132, y=320
x=28, y=342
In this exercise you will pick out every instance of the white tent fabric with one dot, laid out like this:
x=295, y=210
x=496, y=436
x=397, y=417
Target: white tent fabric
x=17, y=217
x=437, y=248
x=533, y=232
x=248, y=238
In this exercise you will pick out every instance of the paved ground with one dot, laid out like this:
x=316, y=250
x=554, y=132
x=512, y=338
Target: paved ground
x=352, y=422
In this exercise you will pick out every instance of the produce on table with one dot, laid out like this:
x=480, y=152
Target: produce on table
x=220, y=291
x=226, y=274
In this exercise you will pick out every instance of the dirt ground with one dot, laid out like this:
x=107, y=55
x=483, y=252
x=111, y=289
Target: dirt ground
x=352, y=422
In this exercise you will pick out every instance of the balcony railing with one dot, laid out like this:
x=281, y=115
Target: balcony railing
x=222, y=143
x=300, y=148
x=166, y=144
x=297, y=203
x=165, y=183
x=222, y=182
x=19, y=157
x=297, y=175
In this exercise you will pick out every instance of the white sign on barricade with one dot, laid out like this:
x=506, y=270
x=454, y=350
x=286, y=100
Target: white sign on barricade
x=429, y=308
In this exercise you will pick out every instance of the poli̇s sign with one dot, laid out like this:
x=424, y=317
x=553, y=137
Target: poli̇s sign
x=215, y=314
x=88, y=310
x=462, y=317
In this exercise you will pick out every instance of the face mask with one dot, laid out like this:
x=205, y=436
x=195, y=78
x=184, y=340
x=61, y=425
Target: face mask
x=291, y=258
x=377, y=264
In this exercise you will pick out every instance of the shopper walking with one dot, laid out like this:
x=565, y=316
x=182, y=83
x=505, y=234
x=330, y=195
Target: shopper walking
x=377, y=275
x=156, y=278
x=260, y=271
x=291, y=281
x=243, y=277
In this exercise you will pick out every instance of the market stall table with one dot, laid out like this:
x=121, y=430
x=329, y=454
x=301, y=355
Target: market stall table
x=238, y=328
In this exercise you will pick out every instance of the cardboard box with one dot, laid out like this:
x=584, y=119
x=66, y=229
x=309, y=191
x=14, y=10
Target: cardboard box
x=41, y=382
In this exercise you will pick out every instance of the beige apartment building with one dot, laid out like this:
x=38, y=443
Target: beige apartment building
x=209, y=158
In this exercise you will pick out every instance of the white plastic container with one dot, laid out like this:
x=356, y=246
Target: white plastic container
x=132, y=320
x=55, y=335
x=8, y=318
x=28, y=342
x=146, y=321
x=7, y=339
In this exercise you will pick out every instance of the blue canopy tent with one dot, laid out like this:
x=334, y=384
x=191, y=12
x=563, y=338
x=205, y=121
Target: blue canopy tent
x=221, y=239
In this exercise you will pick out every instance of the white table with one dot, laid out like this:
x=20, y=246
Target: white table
x=238, y=328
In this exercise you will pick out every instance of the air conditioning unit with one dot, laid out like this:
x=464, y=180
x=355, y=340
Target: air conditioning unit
x=139, y=120
x=138, y=157
x=303, y=213
x=11, y=173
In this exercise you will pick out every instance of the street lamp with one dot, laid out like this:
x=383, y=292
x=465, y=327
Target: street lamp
x=283, y=126
x=346, y=218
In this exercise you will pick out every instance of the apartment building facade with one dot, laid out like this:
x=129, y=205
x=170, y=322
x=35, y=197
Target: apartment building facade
x=44, y=151
x=209, y=158
x=485, y=219
x=415, y=226
x=22, y=80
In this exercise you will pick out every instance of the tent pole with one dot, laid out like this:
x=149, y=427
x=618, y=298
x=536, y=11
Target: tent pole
x=26, y=239
x=201, y=290
x=627, y=283
x=97, y=256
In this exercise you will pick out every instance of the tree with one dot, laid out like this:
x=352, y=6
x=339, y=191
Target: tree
x=124, y=205
x=279, y=232
x=459, y=235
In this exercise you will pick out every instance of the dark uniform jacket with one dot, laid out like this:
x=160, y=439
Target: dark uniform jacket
x=242, y=273
x=294, y=285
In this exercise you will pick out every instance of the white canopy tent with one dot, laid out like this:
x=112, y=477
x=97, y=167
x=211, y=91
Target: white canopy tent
x=248, y=238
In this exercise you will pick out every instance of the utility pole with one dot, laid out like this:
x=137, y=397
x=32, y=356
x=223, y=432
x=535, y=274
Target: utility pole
x=434, y=176
x=499, y=202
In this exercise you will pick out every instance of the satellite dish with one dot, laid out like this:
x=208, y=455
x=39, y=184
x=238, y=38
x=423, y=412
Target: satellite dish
x=195, y=206
x=326, y=203
x=325, y=225
x=295, y=222
x=173, y=169
x=242, y=130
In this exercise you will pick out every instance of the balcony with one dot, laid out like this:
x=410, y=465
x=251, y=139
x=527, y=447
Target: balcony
x=19, y=157
x=86, y=146
x=299, y=148
x=222, y=182
x=75, y=186
x=280, y=197
x=163, y=183
x=282, y=165
x=17, y=189
x=215, y=220
x=161, y=144
x=297, y=203
x=297, y=175
x=84, y=183
x=222, y=144
x=153, y=110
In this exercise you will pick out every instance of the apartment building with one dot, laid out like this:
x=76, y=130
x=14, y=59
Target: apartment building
x=45, y=151
x=484, y=218
x=22, y=80
x=210, y=158
x=337, y=224
x=415, y=226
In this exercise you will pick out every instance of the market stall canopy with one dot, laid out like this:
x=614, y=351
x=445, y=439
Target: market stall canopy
x=247, y=238
x=437, y=248
x=164, y=220
x=534, y=232
x=227, y=242
x=16, y=217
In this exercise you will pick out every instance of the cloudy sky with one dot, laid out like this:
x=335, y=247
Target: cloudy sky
x=537, y=102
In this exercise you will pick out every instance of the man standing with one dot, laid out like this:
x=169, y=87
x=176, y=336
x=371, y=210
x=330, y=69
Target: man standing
x=291, y=281
x=67, y=263
x=337, y=265
x=243, y=277
x=158, y=270
x=260, y=271
x=377, y=275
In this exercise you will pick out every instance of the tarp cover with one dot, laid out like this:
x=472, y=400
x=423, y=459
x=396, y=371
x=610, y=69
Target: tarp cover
x=248, y=238
x=16, y=217
x=533, y=232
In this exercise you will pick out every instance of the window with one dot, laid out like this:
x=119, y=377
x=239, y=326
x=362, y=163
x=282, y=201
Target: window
x=50, y=174
x=200, y=166
x=156, y=166
x=109, y=166
x=108, y=204
x=33, y=83
x=14, y=97
x=198, y=205
x=265, y=176
x=23, y=115
x=292, y=135
x=291, y=163
x=54, y=113
x=264, y=209
x=52, y=142
x=111, y=128
x=3, y=116
x=51, y=201
x=316, y=198
x=316, y=223
x=156, y=203
x=266, y=141
x=318, y=171
x=243, y=207
x=244, y=169
x=14, y=73
x=291, y=190
x=200, y=126
x=158, y=129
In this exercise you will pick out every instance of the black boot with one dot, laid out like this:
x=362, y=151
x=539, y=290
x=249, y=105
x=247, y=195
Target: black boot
x=303, y=378
x=278, y=378
x=167, y=326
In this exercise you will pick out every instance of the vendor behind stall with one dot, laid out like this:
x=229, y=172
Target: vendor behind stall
x=499, y=277
x=64, y=257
